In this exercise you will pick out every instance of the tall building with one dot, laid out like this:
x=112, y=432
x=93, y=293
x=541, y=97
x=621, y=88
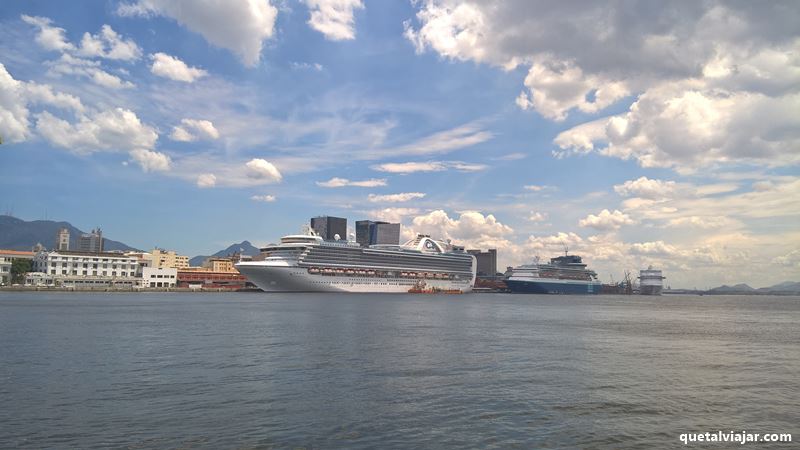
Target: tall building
x=370, y=232
x=168, y=259
x=328, y=227
x=62, y=239
x=91, y=242
x=486, y=262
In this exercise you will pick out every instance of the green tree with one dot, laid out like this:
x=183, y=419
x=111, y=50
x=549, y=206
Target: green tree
x=19, y=267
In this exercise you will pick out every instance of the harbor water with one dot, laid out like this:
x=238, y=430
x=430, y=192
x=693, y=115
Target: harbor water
x=247, y=371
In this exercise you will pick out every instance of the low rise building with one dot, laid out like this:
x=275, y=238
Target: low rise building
x=155, y=277
x=168, y=259
x=198, y=277
x=7, y=258
x=219, y=264
x=86, y=269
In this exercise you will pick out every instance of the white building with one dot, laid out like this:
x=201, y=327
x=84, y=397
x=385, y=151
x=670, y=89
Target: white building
x=155, y=277
x=84, y=269
x=7, y=258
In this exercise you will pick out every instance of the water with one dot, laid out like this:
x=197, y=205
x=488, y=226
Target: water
x=363, y=371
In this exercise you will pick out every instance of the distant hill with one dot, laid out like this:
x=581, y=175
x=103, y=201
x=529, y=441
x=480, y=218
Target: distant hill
x=244, y=247
x=18, y=234
x=787, y=287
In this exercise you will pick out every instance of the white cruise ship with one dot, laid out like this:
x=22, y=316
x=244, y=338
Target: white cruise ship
x=307, y=263
x=651, y=281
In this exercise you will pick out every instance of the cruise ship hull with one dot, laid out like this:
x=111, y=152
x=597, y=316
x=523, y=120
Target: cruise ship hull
x=545, y=286
x=298, y=279
x=650, y=290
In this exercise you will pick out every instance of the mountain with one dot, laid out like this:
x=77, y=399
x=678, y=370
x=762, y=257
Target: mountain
x=244, y=247
x=785, y=287
x=740, y=288
x=18, y=234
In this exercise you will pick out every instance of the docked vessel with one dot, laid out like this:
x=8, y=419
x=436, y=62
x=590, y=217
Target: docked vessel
x=307, y=263
x=651, y=281
x=563, y=275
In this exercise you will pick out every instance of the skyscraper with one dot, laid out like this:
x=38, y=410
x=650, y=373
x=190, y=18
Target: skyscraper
x=486, y=262
x=370, y=232
x=62, y=239
x=328, y=227
x=91, y=242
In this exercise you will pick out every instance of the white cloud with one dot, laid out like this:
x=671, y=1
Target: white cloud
x=537, y=187
x=791, y=259
x=655, y=248
x=470, y=226
x=192, y=129
x=13, y=108
x=151, y=161
x=305, y=65
x=646, y=188
x=70, y=65
x=173, y=68
x=555, y=87
x=393, y=214
x=537, y=216
x=395, y=198
x=237, y=25
x=715, y=83
x=333, y=18
x=337, y=182
x=428, y=166
x=607, y=220
x=261, y=169
x=263, y=198
x=206, y=180
x=114, y=130
x=49, y=37
x=44, y=94
x=108, y=44
x=705, y=222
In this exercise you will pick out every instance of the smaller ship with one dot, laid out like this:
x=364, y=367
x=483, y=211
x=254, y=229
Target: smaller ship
x=563, y=275
x=651, y=282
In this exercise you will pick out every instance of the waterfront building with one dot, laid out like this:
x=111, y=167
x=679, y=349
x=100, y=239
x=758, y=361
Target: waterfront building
x=7, y=258
x=487, y=262
x=219, y=264
x=62, y=239
x=370, y=232
x=168, y=259
x=158, y=277
x=328, y=227
x=91, y=242
x=86, y=269
x=198, y=277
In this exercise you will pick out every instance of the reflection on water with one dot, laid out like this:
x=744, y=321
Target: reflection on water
x=361, y=371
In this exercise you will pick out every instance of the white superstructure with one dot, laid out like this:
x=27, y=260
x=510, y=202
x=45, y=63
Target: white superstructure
x=307, y=263
x=651, y=281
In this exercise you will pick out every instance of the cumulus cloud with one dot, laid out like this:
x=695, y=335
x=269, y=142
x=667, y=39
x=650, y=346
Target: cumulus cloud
x=704, y=222
x=240, y=26
x=470, y=226
x=537, y=216
x=110, y=45
x=206, y=180
x=151, y=161
x=428, y=166
x=646, y=188
x=173, y=68
x=49, y=37
x=395, y=198
x=262, y=169
x=193, y=129
x=537, y=187
x=13, y=108
x=715, y=82
x=655, y=248
x=112, y=130
x=334, y=18
x=606, y=220
x=337, y=182
x=393, y=214
x=263, y=198
x=91, y=70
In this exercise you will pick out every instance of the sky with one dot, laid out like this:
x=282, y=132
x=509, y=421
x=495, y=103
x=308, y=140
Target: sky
x=631, y=133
